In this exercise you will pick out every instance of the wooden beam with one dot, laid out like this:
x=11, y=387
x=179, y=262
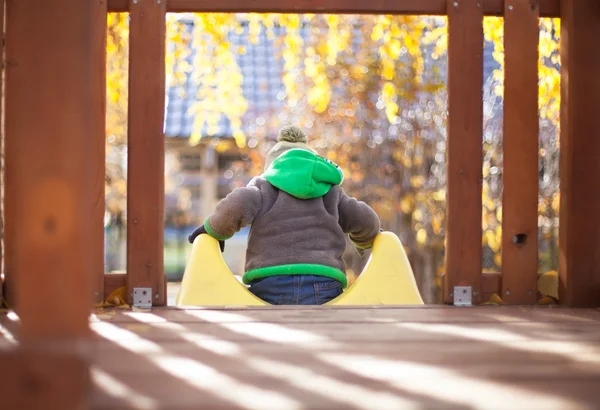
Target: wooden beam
x=464, y=152
x=51, y=96
x=548, y=8
x=520, y=149
x=579, y=238
x=491, y=282
x=146, y=148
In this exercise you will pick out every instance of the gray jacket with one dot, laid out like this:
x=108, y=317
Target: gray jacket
x=299, y=216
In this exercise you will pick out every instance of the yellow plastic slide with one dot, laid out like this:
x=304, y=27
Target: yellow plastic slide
x=387, y=278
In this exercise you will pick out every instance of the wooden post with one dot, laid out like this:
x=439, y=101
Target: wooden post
x=52, y=99
x=146, y=148
x=97, y=160
x=8, y=205
x=548, y=8
x=520, y=170
x=464, y=155
x=2, y=5
x=579, y=260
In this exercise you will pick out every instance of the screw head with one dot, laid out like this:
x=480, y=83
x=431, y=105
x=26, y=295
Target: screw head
x=510, y=7
x=97, y=293
x=455, y=4
x=530, y=292
x=478, y=4
x=507, y=291
x=156, y=296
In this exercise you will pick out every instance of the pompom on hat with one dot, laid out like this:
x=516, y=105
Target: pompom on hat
x=292, y=134
x=290, y=137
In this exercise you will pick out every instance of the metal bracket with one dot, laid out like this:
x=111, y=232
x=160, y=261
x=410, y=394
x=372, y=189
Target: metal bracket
x=463, y=296
x=142, y=298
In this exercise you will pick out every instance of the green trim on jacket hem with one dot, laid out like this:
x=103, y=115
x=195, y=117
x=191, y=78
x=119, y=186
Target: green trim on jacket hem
x=298, y=269
x=212, y=233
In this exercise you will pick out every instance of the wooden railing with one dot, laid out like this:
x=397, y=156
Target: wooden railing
x=33, y=229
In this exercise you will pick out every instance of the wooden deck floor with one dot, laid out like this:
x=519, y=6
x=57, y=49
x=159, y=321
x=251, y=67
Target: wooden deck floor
x=359, y=358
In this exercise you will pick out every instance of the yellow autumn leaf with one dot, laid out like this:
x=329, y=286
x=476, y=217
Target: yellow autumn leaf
x=421, y=236
x=391, y=110
x=498, y=259
x=389, y=90
x=406, y=205
x=417, y=181
x=556, y=202
x=388, y=70
x=492, y=241
x=418, y=215
x=495, y=300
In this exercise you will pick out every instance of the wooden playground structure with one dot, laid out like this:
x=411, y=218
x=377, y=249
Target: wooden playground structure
x=54, y=119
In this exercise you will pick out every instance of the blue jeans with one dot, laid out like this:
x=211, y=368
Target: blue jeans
x=296, y=289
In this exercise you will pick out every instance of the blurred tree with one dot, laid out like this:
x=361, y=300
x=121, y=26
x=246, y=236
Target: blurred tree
x=117, y=46
x=358, y=85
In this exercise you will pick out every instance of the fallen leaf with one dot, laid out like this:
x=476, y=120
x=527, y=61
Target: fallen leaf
x=494, y=300
x=547, y=300
x=548, y=284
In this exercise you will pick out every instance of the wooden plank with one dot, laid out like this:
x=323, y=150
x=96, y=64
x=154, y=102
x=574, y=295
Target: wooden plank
x=50, y=101
x=146, y=148
x=504, y=351
x=98, y=157
x=534, y=317
x=548, y=8
x=579, y=238
x=464, y=153
x=521, y=152
x=491, y=282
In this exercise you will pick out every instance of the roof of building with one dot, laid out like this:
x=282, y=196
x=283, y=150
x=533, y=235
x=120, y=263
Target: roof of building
x=262, y=70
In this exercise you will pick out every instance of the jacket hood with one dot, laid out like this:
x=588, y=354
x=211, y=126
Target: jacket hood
x=303, y=174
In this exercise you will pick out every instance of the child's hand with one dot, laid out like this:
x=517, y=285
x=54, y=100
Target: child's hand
x=201, y=230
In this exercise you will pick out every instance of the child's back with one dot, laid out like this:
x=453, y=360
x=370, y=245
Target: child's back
x=299, y=216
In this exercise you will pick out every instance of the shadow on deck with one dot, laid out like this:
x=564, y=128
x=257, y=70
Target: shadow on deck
x=361, y=358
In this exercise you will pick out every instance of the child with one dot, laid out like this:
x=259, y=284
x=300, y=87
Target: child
x=299, y=216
